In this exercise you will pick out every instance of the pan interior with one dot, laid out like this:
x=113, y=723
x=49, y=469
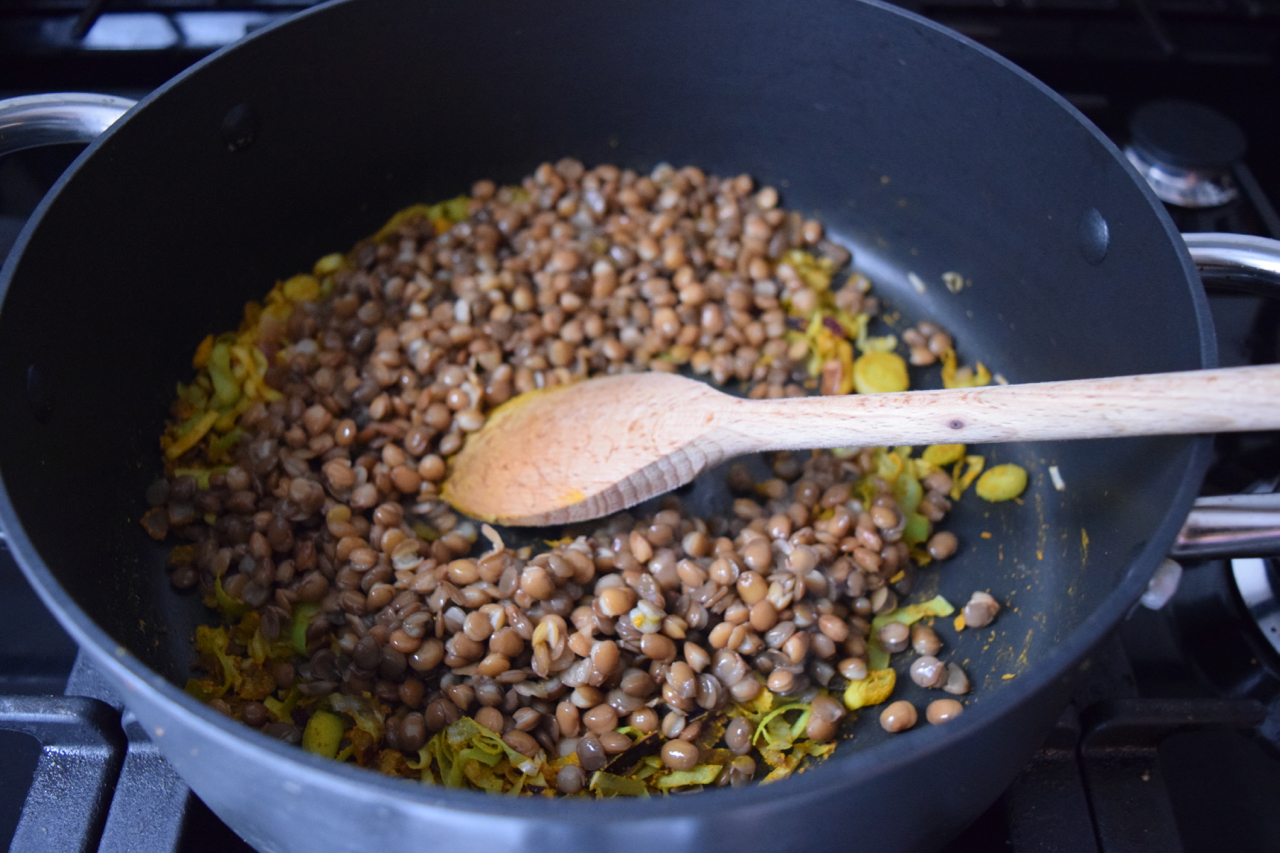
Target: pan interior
x=923, y=154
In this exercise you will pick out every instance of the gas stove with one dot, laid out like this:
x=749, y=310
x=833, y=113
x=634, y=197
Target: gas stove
x=1173, y=742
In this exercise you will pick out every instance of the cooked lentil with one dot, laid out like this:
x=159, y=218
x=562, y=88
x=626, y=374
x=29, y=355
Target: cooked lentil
x=570, y=779
x=825, y=715
x=942, y=544
x=305, y=465
x=942, y=710
x=895, y=637
x=924, y=640
x=957, y=681
x=679, y=754
x=737, y=735
x=980, y=610
x=928, y=671
x=898, y=716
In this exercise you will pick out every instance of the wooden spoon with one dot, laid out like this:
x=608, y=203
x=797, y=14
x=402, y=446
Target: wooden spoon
x=582, y=451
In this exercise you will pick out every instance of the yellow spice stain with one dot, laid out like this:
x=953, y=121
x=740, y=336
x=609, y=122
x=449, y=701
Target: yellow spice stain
x=1084, y=546
x=1008, y=675
x=959, y=622
x=986, y=534
x=1026, y=644
x=1042, y=534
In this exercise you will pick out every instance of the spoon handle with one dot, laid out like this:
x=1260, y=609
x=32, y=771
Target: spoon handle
x=1236, y=399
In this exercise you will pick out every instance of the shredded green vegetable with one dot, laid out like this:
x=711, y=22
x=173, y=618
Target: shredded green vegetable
x=912, y=613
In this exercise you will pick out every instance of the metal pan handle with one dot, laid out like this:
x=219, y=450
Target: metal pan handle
x=60, y=118
x=1231, y=526
x=1237, y=261
x=54, y=119
x=1234, y=525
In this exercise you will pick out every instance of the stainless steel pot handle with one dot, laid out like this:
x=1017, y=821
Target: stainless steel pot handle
x=59, y=118
x=1234, y=525
x=63, y=117
x=1231, y=525
x=1238, y=260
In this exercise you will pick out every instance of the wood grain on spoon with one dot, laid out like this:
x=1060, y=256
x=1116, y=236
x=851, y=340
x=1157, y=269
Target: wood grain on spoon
x=585, y=450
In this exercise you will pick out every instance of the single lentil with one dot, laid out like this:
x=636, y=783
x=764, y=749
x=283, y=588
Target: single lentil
x=898, y=716
x=942, y=710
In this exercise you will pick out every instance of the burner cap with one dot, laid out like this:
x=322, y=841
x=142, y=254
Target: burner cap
x=1186, y=135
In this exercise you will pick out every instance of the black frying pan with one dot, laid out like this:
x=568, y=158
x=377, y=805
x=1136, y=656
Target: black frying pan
x=921, y=151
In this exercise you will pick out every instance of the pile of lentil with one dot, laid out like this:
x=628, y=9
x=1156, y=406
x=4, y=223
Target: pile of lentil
x=365, y=620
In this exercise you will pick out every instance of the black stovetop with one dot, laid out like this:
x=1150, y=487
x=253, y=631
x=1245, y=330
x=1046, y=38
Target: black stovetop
x=1171, y=744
